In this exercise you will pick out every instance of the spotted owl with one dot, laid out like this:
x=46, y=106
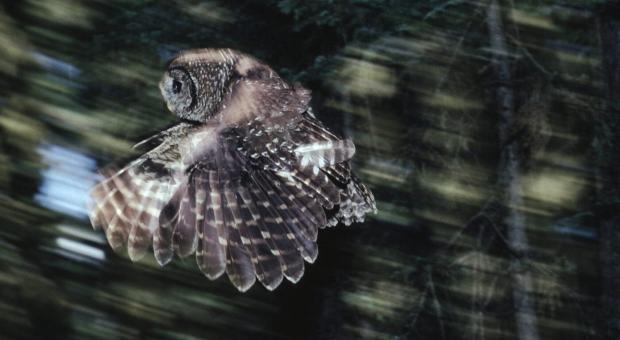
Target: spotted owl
x=244, y=180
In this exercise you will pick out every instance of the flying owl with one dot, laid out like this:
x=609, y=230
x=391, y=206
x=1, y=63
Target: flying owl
x=244, y=180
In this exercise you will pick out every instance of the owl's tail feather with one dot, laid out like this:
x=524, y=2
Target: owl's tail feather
x=356, y=201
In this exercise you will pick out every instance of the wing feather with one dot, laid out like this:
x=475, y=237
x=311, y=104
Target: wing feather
x=184, y=235
x=308, y=212
x=138, y=240
x=317, y=184
x=268, y=267
x=285, y=239
x=163, y=249
x=339, y=173
x=298, y=227
x=239, y=265
x=210, y=252
x=324, y=153
x=273, y=230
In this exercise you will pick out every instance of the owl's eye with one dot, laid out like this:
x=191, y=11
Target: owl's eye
x=176, y=86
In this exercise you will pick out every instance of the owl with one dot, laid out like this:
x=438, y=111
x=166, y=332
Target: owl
x=243, y=181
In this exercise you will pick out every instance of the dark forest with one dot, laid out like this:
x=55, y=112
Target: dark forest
x=488, y=131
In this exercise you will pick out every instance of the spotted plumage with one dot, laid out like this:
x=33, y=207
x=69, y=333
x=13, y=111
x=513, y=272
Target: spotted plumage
x=244, y=181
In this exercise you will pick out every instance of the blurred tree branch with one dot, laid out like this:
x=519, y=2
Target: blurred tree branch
x=510, y=178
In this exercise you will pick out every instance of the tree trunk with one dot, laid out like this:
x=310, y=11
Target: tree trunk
x=608, y=170
x=510, y=180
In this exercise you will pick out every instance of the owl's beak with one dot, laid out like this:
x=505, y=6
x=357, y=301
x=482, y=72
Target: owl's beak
x=161, y=86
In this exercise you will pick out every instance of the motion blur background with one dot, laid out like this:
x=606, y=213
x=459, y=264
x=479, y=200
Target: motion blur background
x=414, y=83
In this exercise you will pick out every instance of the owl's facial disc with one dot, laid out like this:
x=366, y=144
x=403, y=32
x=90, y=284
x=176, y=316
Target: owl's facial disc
x=179, y=92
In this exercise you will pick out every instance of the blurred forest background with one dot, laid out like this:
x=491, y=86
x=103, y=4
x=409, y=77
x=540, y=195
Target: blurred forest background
x=489, y=132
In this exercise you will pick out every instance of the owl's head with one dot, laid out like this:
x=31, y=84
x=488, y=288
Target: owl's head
x=197, y=82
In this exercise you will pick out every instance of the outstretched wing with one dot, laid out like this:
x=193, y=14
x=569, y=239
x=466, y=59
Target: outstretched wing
x=331, y=155
x=127, y=202
x=254, y=204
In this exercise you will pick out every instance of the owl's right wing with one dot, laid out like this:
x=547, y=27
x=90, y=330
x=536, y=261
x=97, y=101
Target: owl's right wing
x=248, y=208
x=251, y=206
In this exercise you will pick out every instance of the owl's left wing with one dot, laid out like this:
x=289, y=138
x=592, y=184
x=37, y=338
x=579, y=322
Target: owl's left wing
x=127, y=202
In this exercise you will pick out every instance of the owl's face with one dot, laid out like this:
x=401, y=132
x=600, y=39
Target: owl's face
x=195, y=84
x=179, y=92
